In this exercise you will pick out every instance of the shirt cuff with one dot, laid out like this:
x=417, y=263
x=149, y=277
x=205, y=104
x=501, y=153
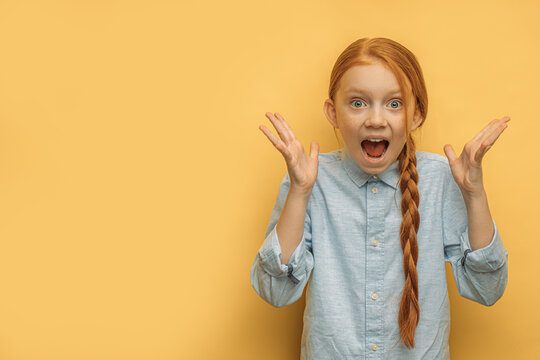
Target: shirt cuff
x=270, y=258
x=486, y=259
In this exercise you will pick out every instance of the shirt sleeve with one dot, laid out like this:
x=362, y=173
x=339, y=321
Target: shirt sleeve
x=480, y=275
x=282, y=284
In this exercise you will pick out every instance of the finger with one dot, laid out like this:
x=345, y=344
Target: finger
x=277, y=142
x=489, y=138
x=486, y=129
x=489, y=141
x=280, y=128
x=478, y=142
x=286, y=125
x=493, y=125
x=450, y=153
x=314, y=150
x=282, y=132
x=270, y=135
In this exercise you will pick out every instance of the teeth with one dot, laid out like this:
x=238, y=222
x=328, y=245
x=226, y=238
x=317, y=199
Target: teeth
x=375, y=140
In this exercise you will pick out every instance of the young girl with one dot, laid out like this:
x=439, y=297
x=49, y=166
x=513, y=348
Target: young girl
x=378, y=281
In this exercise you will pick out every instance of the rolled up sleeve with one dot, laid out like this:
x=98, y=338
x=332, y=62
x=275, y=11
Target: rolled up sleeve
x=282, y=284
x=486, y=259
x=480, y=275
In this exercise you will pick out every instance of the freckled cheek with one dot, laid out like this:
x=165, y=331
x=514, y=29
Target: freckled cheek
x=351, y=132
x=351, y=122
x=397, y=144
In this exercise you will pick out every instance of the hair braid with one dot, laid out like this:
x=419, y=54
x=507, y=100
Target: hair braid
x=406, y=68
x=409, y=311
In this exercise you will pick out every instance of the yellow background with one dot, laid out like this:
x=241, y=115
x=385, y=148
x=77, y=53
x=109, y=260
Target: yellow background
x=136, y=187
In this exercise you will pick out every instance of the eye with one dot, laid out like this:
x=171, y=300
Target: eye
x=394, y=102
x=356, y=101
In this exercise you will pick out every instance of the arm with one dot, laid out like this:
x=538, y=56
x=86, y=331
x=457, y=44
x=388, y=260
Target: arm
x=481, y=228
x=284, y=261
x=478, y=259
x=481, y=273
x=290, y=226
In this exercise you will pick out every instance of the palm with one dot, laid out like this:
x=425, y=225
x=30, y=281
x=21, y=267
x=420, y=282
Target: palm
x=467, y=168
x=302, y=168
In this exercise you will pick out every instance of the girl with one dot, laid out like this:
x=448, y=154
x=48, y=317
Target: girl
x=378, y=281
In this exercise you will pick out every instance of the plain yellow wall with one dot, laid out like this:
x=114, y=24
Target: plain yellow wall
x=136, y=187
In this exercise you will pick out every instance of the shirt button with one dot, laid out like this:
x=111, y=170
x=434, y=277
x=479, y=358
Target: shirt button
x=374, y=190
x=374, y=242
x=374, y=346
x=375, y=177
x=374, y=296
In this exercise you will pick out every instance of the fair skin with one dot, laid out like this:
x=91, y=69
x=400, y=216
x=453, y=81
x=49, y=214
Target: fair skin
x=367, y=104
x=467, y=172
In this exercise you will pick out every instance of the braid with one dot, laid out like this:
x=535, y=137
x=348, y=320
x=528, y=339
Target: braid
x=409, y=311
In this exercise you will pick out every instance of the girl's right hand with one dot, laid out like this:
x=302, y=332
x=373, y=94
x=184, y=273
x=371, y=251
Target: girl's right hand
x=301, y=167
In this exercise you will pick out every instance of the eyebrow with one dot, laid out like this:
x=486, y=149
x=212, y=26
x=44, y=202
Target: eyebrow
x=362, y=91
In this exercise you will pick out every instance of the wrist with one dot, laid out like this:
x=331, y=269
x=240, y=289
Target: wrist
x=300, y=192
x=474, y=197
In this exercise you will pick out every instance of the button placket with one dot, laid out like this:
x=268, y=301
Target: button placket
x=375, y=223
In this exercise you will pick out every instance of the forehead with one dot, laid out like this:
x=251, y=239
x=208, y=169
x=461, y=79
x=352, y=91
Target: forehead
x=372, y=79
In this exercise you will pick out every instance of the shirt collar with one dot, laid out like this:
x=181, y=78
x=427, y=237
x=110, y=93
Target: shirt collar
x=390, y=176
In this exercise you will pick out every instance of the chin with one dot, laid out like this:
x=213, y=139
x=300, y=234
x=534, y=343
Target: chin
x=375, y=169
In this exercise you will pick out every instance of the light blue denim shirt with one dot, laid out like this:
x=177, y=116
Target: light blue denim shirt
x=351, y=253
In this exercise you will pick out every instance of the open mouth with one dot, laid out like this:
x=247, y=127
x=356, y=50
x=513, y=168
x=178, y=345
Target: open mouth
x=375, y=148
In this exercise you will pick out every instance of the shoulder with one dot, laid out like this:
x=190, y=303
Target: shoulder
x=328, y=162
x=331, y=164
x=433, y=165
x=331, y=170
x=431, y=160
x=331, y=156
x=430, y=157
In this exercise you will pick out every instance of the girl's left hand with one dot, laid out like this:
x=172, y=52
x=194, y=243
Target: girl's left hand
x=467, y=168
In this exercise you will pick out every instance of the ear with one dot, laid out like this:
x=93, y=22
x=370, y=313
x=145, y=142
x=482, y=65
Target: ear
x=330, y=112
x=417, y=120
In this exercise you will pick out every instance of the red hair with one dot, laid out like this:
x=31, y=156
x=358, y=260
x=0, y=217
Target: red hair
x=406, y=69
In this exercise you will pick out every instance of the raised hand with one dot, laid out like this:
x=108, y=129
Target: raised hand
x=301, y=167
x=467, y=168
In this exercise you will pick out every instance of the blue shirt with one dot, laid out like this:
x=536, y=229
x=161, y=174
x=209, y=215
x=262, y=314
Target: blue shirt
x=351, y=254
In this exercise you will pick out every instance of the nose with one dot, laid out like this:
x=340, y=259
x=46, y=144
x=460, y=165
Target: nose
x=375, y=119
